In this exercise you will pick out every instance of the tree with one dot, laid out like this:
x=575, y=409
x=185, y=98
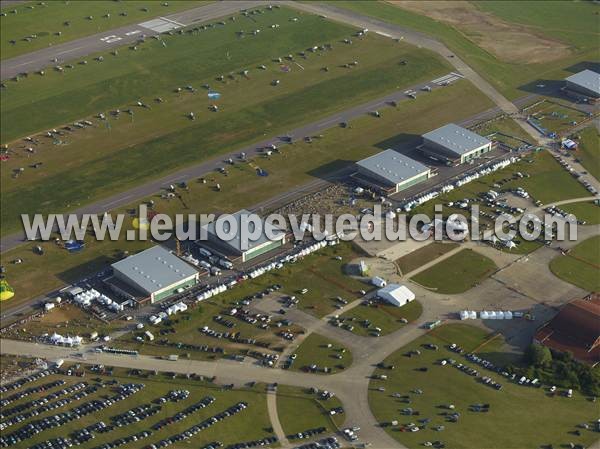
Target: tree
x=538, y=355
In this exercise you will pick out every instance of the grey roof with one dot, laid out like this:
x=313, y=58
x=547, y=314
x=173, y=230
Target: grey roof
x=393, y=166
x=236, y=242
x=154, y=269
x=587, y=79
x=456, y=138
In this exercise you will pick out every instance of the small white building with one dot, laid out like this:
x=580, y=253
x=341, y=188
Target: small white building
x=396, y=294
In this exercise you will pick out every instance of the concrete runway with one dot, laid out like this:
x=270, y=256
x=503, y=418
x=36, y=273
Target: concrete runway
x=106, y=40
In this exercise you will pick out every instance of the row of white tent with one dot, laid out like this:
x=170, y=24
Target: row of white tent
x=86, y=297
x=57, y=339
x=486, y=315
x=171, y=310
x=421, y=199
x=269, y=267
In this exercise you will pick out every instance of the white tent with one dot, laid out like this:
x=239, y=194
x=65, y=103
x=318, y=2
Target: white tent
x=464, y=315
x=508, y=315
x=473, y=315
x=395, y=294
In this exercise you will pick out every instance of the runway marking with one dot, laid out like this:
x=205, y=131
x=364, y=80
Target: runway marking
x=172, y=21
x=131, y=33
x=107, y=38
x=381, y=33
x=116, y=39
x=161, y=25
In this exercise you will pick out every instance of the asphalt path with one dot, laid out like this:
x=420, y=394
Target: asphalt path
x=106, y=40
x=205, y=168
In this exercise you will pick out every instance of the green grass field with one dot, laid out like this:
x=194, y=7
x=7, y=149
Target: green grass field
x=556, y=117
x=384, y=316
x=501, y=128
x=589, y=150
x=323, y=352
x=456, y=274
x=162, y=139
x=580, y=266
x=46, y=21
x=296, y=166
x=574, y=23
x=518, y=416
x=424, y=254
x=300, y=410
x=588, y=212
x=250, y=424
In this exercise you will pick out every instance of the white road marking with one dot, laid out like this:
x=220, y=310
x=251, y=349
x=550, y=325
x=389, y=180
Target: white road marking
x=131, y=33
x=172, y=21
x=381, y=33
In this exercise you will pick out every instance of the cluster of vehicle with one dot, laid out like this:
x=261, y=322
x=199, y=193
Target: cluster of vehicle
x=572, y=171
x=203, y=403
x=44, y=405
x=125, y=440
x=23, y=381
x=29, y=391
x=307, y=433
x=199, y=348
x=33, y=428
x=190, y=432
x=325, y=443
x=254, y=443
x=351, y=433
x=462, y=180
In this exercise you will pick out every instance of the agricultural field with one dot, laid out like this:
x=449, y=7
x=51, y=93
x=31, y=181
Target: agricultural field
x=160, y=136
x=535, y=44
x=234, y=429
x=580, y=265
x=423, y=255
x=456, y=274
x=303, y=162
x=67, y=320
x=589, y=150
x=364, y=318
x=300, y=410
x=514, y=414
x=56, y=22
x=322, y=352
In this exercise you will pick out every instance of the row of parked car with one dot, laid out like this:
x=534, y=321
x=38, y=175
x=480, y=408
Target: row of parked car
x=28, y=431
x=190, y=432
x=46, y=405
x=203, y=403
x=325, y=443
x=254, y=443
x=25, y=380
x=29, y=391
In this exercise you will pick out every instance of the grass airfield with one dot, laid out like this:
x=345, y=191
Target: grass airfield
x=118, y=153
x=48, y=20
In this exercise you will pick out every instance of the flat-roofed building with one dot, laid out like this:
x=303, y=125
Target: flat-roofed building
x=454, y=143
x=392, y=171
x=155, y=272
x=586, y=82
x=270, y=238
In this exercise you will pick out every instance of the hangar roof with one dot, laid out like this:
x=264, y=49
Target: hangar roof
x=393, y=166
x=587, y=79
x=268, y=230
x=154, y=269
x=456, y=139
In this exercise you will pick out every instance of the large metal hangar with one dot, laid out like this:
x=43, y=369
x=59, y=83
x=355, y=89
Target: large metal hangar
x=391, y=171
x=270, y=238
x=155, y=272
x=586, y=83
x=455, y=144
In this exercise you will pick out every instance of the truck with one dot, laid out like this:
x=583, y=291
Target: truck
x=173, y=357
x=204, y=252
